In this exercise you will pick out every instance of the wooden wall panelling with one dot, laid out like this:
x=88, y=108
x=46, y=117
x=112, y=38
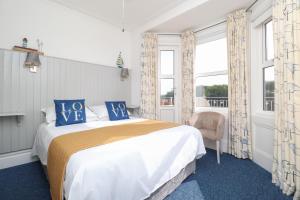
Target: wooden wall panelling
x=24, y=92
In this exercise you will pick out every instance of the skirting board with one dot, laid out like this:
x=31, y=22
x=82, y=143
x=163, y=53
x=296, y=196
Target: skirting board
x=16, y=158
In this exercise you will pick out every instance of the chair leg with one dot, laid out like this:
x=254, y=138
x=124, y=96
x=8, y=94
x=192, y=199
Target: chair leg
x=218, y=151
x=221, y=151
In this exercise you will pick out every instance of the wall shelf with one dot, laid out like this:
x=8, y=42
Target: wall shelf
x=11, y=114
x=27, y=50
x=17, y=115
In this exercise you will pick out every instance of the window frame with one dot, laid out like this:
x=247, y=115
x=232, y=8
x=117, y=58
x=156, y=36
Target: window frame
x=173, y=69
x=265, y=62
x=174, y=76
x=264, y=89
x=210, y=35
x=258, y=62
x=160, y=82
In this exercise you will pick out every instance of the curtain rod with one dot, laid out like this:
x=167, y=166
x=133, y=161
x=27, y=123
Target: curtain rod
x=168, y=33
x=207, y=27
x=202, y=29
x=251, y=5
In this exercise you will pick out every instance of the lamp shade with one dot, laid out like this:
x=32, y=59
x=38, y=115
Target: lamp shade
x=124, y=73
x=32, y=60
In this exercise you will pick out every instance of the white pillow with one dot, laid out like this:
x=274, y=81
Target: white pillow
x=90, y=116
x=51, y=115
x=101, y=111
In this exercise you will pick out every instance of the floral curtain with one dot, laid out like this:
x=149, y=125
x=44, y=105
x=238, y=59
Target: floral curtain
x=286, y=159
x=149, y=76
x=238, y=87
x=188, y=43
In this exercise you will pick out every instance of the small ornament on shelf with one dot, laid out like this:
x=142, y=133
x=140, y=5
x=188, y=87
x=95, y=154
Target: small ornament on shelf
x=25, y=42
x=120, y=62
x=24, y=47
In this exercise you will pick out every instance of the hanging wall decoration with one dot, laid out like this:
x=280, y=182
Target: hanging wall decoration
x=120, y=62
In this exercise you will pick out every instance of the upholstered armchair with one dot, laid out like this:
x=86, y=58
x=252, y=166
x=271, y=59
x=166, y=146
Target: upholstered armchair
x=211, y=125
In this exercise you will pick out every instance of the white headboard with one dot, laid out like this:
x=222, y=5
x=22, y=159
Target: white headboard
x=23, y=92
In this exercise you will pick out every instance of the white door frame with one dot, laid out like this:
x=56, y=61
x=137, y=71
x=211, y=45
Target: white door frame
x=177, y=79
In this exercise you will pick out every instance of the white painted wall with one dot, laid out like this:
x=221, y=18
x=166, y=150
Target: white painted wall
x=182, y=8
x=66, y=33
x=136, y=42
x=262, y=121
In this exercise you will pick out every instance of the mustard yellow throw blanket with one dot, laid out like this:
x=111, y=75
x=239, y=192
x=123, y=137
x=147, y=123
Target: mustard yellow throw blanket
x=61, y=148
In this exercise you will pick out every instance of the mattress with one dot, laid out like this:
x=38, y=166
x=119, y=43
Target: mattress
x=128, y=169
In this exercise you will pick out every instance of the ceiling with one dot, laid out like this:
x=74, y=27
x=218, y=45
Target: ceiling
x=203, y=15
x=140, y=12
x=137, y=12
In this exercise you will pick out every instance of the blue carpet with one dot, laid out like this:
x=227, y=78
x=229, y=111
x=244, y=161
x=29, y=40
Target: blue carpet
x=234, y=179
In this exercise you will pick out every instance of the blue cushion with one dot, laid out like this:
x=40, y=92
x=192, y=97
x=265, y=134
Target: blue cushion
x=116, y=110
x=69, y=112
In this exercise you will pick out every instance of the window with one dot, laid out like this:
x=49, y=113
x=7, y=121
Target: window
x=167, y=62
x=167, y=78
x=268, y=73
x=268, y=68
x=269, y=45
x=167, y=92
x=211, y=74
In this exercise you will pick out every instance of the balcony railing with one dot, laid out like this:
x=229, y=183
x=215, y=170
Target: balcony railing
x=212, y=102
x=166, y=101
x=269, y=103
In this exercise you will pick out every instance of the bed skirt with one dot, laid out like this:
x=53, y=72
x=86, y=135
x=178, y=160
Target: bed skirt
x=169, y=187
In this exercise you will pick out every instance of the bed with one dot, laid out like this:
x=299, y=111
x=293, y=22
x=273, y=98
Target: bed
x=144, y=167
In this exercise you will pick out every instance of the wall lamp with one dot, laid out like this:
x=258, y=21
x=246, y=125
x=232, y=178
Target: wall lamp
x=124, y=73
x=32, y=61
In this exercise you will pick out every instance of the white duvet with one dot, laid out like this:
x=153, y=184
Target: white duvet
x=130, y=169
